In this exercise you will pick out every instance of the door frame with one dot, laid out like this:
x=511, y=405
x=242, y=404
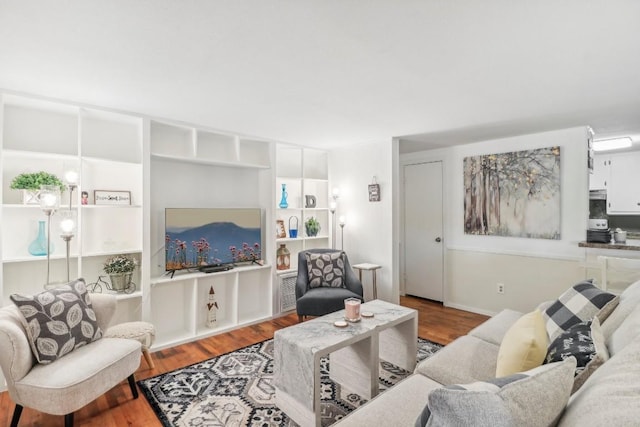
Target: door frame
x=412, y=159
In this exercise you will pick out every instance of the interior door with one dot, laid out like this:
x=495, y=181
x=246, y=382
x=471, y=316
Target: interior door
x=423, y=247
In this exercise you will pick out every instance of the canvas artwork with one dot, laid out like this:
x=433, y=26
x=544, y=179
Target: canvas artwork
x=513, y=194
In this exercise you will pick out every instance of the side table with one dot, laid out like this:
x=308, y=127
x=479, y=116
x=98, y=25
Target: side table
x=370, y=267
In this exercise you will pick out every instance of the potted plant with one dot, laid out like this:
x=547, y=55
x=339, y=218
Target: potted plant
x=312, y=226
x=120, y=268
x=30, y=184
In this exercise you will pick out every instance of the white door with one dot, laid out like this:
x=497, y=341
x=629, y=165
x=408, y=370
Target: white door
x=423, y=247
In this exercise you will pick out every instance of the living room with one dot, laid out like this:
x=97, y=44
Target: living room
x=367, y=90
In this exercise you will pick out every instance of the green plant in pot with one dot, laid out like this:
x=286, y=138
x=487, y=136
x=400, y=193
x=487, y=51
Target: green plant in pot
x=120, y=268
x=30, y=183
x=312, y=226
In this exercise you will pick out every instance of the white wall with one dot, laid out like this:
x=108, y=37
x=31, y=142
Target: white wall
x=368, y=231
x=532, y=270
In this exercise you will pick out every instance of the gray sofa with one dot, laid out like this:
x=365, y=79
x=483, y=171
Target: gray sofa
x=610, y=396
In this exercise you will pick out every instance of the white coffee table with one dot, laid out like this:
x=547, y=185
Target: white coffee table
x=355, y=352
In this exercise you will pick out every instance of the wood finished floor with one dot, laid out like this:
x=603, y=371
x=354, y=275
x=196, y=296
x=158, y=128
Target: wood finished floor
x=116, y=408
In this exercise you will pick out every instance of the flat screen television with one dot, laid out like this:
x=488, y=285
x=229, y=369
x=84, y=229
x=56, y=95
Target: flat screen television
x=200, y=237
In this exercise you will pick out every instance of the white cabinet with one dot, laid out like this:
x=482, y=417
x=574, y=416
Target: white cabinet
x=599, y=178
x=623, y=191
x=105, y=149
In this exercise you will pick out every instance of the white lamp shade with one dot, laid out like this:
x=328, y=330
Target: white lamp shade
x=342, y=220
x=68, y=223
x=49, y=198
x=71, y=177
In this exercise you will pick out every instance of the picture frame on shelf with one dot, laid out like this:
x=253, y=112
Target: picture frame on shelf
x=281, y=233
x=111, y=197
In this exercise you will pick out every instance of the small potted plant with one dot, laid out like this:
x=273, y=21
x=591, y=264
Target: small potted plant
x=120, y=268
x=312, y=226
x=30, y=184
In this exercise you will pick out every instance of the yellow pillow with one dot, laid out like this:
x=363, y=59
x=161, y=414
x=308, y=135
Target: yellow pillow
x=524, y=346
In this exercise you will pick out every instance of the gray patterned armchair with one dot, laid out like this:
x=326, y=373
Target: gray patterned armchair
x=321, y=300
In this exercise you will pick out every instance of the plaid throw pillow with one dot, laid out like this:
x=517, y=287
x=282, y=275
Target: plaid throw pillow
x=579, y=303
x=326, y=269
x=58, y=321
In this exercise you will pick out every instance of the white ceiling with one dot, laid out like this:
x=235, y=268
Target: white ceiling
x=334, y=72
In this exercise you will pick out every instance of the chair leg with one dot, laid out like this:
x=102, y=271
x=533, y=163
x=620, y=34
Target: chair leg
x=132, y=385
x=300, y=318
x=68, y=420
x=16, y=416
x=147, y=357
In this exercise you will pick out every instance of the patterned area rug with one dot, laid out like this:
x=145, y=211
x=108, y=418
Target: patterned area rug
x=235, y=390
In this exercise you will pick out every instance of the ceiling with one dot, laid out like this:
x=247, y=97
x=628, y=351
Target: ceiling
x=330, y=73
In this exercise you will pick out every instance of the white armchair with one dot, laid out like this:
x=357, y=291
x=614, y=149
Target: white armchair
x=71, y=382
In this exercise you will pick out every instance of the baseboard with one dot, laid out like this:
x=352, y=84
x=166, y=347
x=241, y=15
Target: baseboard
x=471, y=309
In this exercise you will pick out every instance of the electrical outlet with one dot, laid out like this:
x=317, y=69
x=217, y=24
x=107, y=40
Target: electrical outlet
x=500, y=288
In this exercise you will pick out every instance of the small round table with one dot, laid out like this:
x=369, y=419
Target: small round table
x=370, y=267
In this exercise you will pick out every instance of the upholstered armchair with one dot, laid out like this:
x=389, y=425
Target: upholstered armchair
x=73, y=380
x=320, y=298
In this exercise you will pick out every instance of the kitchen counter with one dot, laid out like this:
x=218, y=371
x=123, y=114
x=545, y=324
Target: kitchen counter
x=630, y=245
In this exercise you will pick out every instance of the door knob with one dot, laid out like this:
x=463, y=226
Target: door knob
x=438, y=239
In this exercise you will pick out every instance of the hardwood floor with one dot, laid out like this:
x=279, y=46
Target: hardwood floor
x=117, y=408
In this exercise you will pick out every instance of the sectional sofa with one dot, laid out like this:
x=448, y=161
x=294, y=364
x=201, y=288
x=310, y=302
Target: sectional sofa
x=458, y=385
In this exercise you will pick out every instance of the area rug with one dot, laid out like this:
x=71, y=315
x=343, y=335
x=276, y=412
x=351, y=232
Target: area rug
x=235, y=389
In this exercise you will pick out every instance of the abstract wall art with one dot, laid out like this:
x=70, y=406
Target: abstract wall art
x=514, y=194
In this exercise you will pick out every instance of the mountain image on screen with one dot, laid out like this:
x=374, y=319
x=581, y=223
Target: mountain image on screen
x=211, y=244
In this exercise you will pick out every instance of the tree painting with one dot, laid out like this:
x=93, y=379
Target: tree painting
x=513, y=194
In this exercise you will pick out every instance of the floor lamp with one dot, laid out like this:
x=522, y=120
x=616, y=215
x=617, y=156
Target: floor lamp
x=67, y=230
x=49, y=203
x=343, y=222
x=332, y=208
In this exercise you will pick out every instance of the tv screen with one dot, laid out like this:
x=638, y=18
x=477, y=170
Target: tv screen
x=197, y=237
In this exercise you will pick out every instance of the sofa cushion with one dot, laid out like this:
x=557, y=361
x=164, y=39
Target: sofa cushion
x=585, y=342
x=398, y=406
x=464, y=360
x=524, y=345
x=611, y=396
x=629, y=300
x=532, y=398
x=326, y=269
x=493, y=329
x=626, y=332
x=58, y=320
x=579, y=303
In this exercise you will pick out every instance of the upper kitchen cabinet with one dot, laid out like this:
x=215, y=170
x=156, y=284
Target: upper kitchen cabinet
x=623, y=191
x=600, y=176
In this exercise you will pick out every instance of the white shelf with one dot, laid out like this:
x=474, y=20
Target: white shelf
x=182, y=276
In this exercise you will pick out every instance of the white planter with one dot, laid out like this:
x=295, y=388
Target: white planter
x=31, y=197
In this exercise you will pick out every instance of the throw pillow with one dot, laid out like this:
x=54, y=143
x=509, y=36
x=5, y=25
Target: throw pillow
x=524, y=346
x=533, y=398
x=58, y=320
x=326, y=269
x=579, y=303
x=585, y=342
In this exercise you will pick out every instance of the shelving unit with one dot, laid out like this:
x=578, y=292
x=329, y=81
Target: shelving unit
x=105, y=148
x=162, y=164
x=303, y=171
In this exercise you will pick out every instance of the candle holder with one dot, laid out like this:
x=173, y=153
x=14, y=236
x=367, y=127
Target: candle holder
x=352, y=310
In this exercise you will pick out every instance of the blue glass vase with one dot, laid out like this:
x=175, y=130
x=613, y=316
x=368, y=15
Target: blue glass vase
x=283, y=200
x=39, y=246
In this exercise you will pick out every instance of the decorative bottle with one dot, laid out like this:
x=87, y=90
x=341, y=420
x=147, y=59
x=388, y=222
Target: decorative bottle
x=283, y=258
x=283, y=200
x=39, y=246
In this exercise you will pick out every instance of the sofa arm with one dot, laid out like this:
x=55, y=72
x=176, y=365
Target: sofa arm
x=104, y=305
x=16, y=358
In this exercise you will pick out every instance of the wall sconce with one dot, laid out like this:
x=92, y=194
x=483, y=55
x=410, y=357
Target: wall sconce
x=68, y=223
x=49, y=203
x=343, y=222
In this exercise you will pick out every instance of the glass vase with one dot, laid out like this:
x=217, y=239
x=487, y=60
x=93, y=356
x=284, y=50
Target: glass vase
x=283, y=201
x=39, y=246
